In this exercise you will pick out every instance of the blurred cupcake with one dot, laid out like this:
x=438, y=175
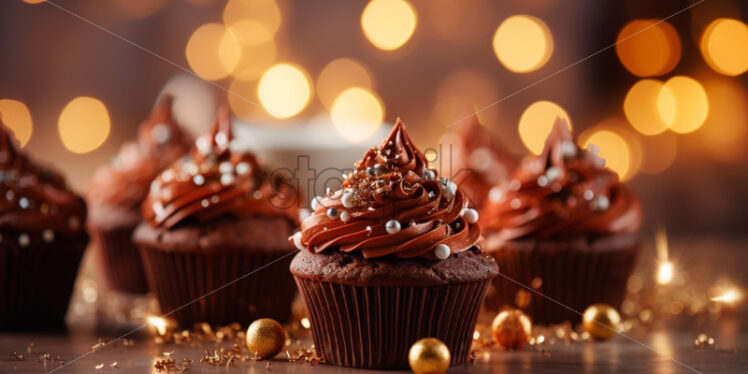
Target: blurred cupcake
x=42, y=239
x=476, y=159
x=565, y=227
x=117, y=190
x=391, y=259
x=210, y=221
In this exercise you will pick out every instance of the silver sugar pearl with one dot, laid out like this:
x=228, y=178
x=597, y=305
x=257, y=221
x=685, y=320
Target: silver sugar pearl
x=205, y=203
x=333, y=213
x=161, y=133
x=600, y=203
x=24, y=240
x=23, y=203
x=243, y=168
x=442, y=251
x=568, y=149
x=392, y=226
x=428, y=174
x=227, y=178
x=221, y=139
x=226, y=167
x=48, y=235
x=198, y=180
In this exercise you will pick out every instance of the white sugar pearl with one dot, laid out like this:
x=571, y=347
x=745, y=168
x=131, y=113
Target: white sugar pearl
x=345, y=216
x=48, y=235
x=205, y=203
x=471, y=215
x=316, y=201
x=23, y=203
x=226, y=167
x=568, y=149
x=198, y=180
x=24, y=240
x=227, y=179
x=347, y=200
x=600, y=203
x=442, y=251
x=242, y=168
x=297, y=240
x=553, y=173
x=221, y=139
x=392, y=226
x=332, y=213
x=588, y=195
x=203, y=145
x=450, y=188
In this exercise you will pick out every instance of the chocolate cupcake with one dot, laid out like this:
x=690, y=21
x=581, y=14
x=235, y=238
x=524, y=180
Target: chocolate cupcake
x=565, y=227
x=117, y=190
x=210, y=221
x=42, y=239
x=391, y=259
x=476, y=159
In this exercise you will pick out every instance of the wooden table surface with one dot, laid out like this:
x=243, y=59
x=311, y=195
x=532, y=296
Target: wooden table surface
x=665, y=347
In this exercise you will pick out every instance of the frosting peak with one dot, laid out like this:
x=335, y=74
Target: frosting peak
x=564, y=192
x=214, y=182
x=125, y=180
x=392, y=204
x=33, y=198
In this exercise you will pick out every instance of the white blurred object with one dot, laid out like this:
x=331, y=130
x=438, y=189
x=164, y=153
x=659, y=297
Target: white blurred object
x=195, y=102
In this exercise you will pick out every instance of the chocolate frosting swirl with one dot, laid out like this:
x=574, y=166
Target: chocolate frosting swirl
x=477, y=159
x=34, y=198
x=215, y=182
x=564, y=192
x=391, y=182
x=124, y=182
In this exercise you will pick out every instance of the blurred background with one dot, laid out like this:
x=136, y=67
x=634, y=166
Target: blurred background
x=666, y=105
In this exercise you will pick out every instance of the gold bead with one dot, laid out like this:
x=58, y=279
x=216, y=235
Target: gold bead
x=511, y=329
x=601, y=321
x=429, y=356
x=265, y=338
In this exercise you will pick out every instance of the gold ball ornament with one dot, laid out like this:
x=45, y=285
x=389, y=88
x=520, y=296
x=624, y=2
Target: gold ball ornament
x=265, y=338
x=512, y=329
x=429, y=356
x=601, y=321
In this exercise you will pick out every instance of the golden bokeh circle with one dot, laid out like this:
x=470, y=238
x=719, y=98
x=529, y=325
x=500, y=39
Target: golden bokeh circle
x=84, y=124
x=388, y=24
x=523, y=43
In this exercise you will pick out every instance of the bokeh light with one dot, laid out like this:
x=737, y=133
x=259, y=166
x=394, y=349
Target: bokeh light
x=213, y=52
x=523, y=43
x=83, y=124
x=724, y=46
x=338, y=75
x=356, y=114
x=252, y=21
x=255, y=60
x=641, y=106
x=17, y=117
x=536, y=123
x=725, y=132
x=613, y=149
x=241, y=96
x=659, y=152
x=648, y=47
x=388, y=24
x=621, y=128
x=34, y=1
x=683, y=104
x=284, y=90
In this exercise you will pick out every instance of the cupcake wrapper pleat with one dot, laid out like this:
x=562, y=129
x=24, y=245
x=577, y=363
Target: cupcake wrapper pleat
x=180, y=279
x=573, y=277
x=120, y=259
x=37, y=281
x=374, y=327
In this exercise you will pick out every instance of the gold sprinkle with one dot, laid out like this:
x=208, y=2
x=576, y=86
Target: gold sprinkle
x=100, y=366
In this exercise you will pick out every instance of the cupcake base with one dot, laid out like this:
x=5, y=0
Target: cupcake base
x=576, y=273
x=36, y=281
x=364, y=319
x=120, y=259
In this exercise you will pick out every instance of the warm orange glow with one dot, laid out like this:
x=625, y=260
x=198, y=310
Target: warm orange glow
x=729, y=296
x=665, y=270
x=16, y=116
x=84, y=124
x=725, y=132
x=284, y=90
x=241, y=96
x=338, y=75
x=461, y=93
x=448, y=17
x=641, y=106
x=252, y=21
x=536, y=123
x=683, y=104
x=356, y=114
x=724, y=46
x=34, y=1
x=139, y=9
x=213, y=52
x=388, y=24
x=652, y=48
x=659, y=152
x=255, y=60
x=613, y=149
x=523, y=43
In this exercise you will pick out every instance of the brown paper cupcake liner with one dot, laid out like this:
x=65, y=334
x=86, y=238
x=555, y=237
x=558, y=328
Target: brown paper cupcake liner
x=36, y=281
x=181, y=278
x=120, y=259
x=572, y=276
x=374, y=327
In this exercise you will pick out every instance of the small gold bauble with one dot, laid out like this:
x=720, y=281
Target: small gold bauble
x=511, y=329
x=429, y=356
x=265, y=338
x=601, y=321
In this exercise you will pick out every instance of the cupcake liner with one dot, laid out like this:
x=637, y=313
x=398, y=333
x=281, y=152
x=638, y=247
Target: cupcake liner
x=571, y=274
x=120, y=259
x=374, y=327
x=37, y=281
x=180, y=279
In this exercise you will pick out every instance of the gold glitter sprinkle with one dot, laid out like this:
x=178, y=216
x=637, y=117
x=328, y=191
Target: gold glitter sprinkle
x=99, y=366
